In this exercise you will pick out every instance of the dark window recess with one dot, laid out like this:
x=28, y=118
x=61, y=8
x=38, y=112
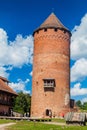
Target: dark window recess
x=37, y=32
x=49, y=83
x=45, y=29
x=64, y=31
x=55, y=29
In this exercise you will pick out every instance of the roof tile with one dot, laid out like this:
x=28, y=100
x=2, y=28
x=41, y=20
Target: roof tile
x=4, y=87
x=52, y=22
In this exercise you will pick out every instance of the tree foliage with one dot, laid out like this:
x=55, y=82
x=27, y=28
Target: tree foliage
x=81, y=105
x=22, y=103
x=84, y=106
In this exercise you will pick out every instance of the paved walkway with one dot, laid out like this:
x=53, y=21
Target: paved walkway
x=3, y=126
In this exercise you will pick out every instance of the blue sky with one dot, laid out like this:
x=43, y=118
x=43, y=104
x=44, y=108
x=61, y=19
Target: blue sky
x=18, y=20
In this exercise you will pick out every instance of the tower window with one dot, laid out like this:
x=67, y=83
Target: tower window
x=37, y=32
x=45, y=29
x=48, y=83
x=55, y=29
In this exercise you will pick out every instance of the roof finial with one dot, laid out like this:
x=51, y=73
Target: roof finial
x=52, y=10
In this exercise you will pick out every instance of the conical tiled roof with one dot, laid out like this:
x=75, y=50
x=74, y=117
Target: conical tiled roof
x=4, y=87
x=52, y=22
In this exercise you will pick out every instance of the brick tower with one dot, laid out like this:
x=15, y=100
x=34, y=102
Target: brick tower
x=51, y=70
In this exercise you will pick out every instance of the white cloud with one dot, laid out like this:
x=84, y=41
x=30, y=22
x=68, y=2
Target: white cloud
x=77, y=90
x=27, y=81
x=3, y=72
x=79, y=51
x=79, y=70
x=3, y=36
x=14, y=53
x=20, y=86
x=17, y=52
x=84, y=100
x=79, y=40
x=31, y=73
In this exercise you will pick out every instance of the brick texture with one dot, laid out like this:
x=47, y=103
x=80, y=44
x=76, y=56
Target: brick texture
x=51, y=60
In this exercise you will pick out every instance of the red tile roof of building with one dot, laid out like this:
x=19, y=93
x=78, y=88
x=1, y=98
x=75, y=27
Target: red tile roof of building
x=4, y=79
x=52, y=22
x=4, y=87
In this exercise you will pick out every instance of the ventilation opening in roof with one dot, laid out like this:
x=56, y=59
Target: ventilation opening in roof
x=45, y=30
x=55, y=29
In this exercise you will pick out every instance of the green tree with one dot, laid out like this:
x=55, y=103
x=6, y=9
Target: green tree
x=28, y=98
x=84, y=106
x=22, y=103
x=79, y=104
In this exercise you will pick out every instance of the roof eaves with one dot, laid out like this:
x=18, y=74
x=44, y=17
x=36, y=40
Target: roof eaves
x=51, y=27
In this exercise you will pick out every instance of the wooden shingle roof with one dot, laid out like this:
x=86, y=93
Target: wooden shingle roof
x=4, y=87
x=52, y=22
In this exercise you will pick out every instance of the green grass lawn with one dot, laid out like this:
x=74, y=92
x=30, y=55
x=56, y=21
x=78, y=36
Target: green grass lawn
x=3, y=121
x=58, y=120
x=26, y=125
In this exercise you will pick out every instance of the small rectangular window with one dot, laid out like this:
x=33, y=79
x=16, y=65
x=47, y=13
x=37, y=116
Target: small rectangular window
x=55, y=29
x=45, y=29
x=48, y=83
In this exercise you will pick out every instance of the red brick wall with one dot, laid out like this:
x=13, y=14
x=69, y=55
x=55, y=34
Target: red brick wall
x=51, y=60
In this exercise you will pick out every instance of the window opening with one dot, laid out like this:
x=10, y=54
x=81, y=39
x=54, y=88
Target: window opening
x=49, y=83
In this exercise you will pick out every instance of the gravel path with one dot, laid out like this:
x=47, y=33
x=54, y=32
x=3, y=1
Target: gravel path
x=3, y=126
x=55, y=123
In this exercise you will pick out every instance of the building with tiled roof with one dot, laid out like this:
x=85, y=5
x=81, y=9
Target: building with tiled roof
x=7, y=95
